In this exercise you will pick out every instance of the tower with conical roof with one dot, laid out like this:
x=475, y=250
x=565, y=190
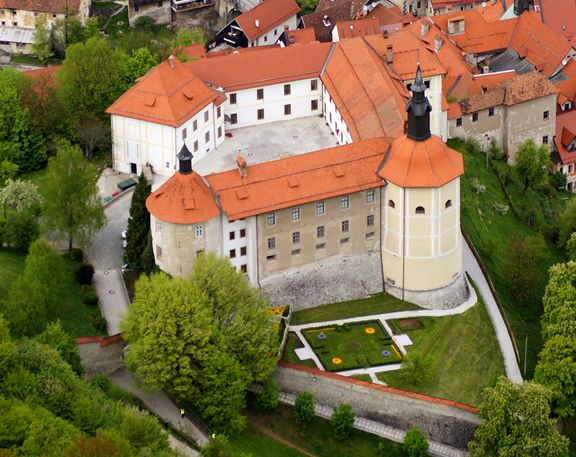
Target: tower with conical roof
x=421, y=239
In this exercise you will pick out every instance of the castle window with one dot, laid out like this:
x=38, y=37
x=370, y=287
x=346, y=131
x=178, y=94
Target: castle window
x=219, y=111
x=345, y=202
x=242, y=233
x=199, y=231
x=287, y=110
x=271, y=257
x=232, y=253
x=260, y=114
x=320, y=245
x=271, y=243
x=370, y=220
x=314, y=84
x=184, y=134
x=295, y=251
x=344, y=240
x=420, y=210
x=313, y=105
x=391, y=204
x=270, y=219
x=287, y=90
x=320, y=231
x=295, y=237
x=296, y=214
x=232, y=99
x=490, y=112
x=448, y=204
x=158, y=252
x=260, y=94
x=546, y=115
x=320, y=208
x=545, y=139
x=458, y=122
x=158, y=226
x=195, y=124
x=370, y=196
x=370, y=235
x=232, y=235
x=244, y=268
x=234, y=118
x=206, y=116
x=474, y=117
x=243, y=250
x=195, y=145
x=345, y=226
x=207, y=137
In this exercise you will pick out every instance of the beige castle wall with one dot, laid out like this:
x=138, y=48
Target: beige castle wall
x=176, y=246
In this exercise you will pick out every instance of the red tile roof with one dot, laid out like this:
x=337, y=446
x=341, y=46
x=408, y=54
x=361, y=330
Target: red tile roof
x=371, y=101
x=386, y=16
x=265, y=16
x=302, y=36
x=168, y=94
x=301, y=179
x=194, y=51
x=565, y=134
x=560, y=16
x=42, y=6
x=352, y=29
x=429, y=163
x=567, y=90
x=263, y=67
x=339, y=12
x=183, y=199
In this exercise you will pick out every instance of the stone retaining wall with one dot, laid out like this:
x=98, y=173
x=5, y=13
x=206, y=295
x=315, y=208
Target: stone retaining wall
x=441, y=420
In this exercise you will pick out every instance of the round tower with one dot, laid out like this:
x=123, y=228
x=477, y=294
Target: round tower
x=184, y=219
x=421, y=239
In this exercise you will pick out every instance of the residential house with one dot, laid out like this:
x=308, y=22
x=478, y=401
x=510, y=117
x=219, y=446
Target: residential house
x=160, y=11
x=564, y=155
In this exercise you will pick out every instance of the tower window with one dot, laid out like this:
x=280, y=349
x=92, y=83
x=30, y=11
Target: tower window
x=420, y=210
x=391, y=204
x=448, y=204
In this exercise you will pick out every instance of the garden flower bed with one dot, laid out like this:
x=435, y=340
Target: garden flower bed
x=352, y=346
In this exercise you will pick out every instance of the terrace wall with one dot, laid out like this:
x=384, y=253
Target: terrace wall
x=441, y=420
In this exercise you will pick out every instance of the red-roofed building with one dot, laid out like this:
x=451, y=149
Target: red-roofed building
x=564, y=155
x=353, y=29
x=261, y=25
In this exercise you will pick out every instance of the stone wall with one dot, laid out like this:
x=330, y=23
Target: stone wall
x=335, y=279
x=440, y=420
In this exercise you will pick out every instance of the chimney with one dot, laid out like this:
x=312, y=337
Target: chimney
x=438, y=43
x=424, y=27
x=242, y=166
x=389, y=54
x=171, y=61
x=286, y=28
x=257, y=23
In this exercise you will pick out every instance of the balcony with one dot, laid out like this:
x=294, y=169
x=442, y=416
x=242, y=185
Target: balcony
x=179, y=6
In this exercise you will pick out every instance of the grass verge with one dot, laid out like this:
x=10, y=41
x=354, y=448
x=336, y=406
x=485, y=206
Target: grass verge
x=464, y=354
x=292, y=343
x=376, y=304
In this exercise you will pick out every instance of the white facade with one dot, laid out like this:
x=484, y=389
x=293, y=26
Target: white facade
x=270, y=103
x=239, y=245
x=271, y=36
x=334, y=119
x=136, y=143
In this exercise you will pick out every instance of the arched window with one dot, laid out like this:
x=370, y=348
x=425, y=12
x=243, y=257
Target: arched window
x=391, y=204
x=420, y=210
x=448, y=204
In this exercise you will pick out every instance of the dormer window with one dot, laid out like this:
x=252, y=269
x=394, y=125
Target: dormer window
x=567, y=106
x=326, y=20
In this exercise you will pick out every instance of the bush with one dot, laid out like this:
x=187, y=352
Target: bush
x=99, y=322
x=415, y=443
x=269, y=397
x=218, y=447
x=304, y=408
x=76, y=255
x=342, y=421
x=416, y=368
x=89, y=295
x=21, y=229
x=84, y=273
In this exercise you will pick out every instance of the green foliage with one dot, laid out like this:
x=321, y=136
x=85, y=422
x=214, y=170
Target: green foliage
x=20, y=195
x=93, y=446
x=7, y=170
x=84, y=273
x=42, y=47
x=55, y=337
x=304, y=408
x=143, y=432
x=20, y=230
x=72, y=209
x=516, y=421
x=138, y=225
x=135, y=65
x=532, y=163
x=307, y=6
x=147, y=262
x=559, y=316
x=571, y=247
x=473, y=145
x=342, y=422
x=567, y=223
x=269, y=397
x=415, y=443
x=416, y=368
x=558, y=181
x=218, y=447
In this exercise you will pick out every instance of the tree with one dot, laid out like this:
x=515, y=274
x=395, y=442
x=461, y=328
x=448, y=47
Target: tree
x=147, y=261
x=20, y=230
x=136, y=64
x=42, y=47
x=556, y=370
x=143, y=432
x=416, y=369
x=73, y=208
x=55, y=337
x=415, y=443
x=571, y=247
x=516, y=421
x=93, y=133
x=269, y=397
x=93, y=446
x=218, y=447
x=342, y=421
x=138, y=224
x=567, y=224
x=559, y=317
x=20, y=195
x=532, y=163
x=304, y=408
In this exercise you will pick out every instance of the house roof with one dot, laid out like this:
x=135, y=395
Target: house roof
x=168, y=94
x=565, y=134
x=243, y=70
x=301, y=179
x=354, y=6
x=301, y=36
x=352, y=29
x=567, y=90
x=338, y=13
x=370, y=100
x=386, y=16
x=42, y=6
x=519, y=89
x=183, y=199
x=560, y=16
x=265, y=16
x=428, y=163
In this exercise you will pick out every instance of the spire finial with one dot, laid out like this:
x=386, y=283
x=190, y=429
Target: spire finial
x=418, y=110
x=185, y=160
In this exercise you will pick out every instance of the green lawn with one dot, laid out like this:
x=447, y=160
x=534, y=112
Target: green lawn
x=293, y=342
x=464, y=354
x=11, y=266
x=349, y=346
x=490, y=233
x=362, y=377
x=316, y=438
x=377, y=304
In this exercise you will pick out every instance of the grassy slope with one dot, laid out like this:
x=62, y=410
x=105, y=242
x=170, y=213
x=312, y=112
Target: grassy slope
x=464, y=353
x=316, y=438
x=490, y=232
x=377, y=304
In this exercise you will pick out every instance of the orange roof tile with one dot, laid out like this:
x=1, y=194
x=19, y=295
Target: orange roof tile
x=295, y=62
x=302, y=36
x=560, y=16
x=352, y=29
x=570, y=68
x=485, y=81
x=168, y=94
x=194, y=51
x=337, y=13
x=386, y=16
x=265, y=16
x=565, y=134
x=183, y=199
x=567, y=90
x=301, y=179
x=429, y=163
x=369, y=99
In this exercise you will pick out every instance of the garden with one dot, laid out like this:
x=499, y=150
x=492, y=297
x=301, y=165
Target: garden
x=353, y=345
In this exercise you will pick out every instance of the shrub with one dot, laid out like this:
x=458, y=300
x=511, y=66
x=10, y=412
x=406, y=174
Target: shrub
x=76, y=255
x=304, y=408
x=473, y=145
x=89, y=295
x=416, y=368
x=269, y=397
x=99, y=322
x=21, y=229
x=342, y=421
x=415, y=443
x=218, y=447
x=84, y=273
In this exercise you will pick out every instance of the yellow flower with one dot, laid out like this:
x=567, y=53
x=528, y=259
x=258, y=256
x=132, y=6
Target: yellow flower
x=336, y=360
x=370, y=330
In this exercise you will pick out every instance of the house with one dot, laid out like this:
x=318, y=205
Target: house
x=564, y=155
x=18, y=20
x=337, y=223
x=358, y=28
x=416, y=7
x=261, y=25
x=160, y=11
x=448, y=6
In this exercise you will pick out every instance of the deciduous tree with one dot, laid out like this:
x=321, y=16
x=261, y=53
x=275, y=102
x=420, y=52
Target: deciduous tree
x=138, y=225
x=304, y=408
x=55, y=337
x=20, y=195
x=415, y=443
x=532, y=163
x=559, y=317
x=342, y=422
x=516, y=421
x=42, y=47
x=73, y=209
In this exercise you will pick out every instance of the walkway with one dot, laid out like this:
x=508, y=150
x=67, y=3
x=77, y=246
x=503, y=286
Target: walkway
x=377, y=428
